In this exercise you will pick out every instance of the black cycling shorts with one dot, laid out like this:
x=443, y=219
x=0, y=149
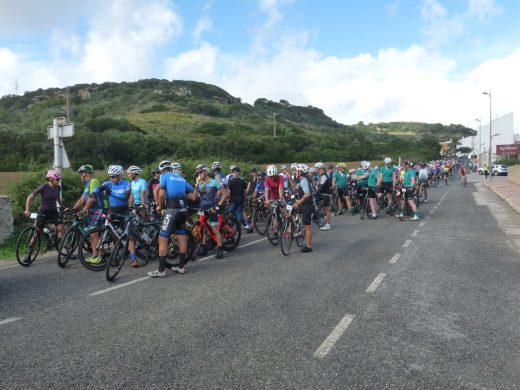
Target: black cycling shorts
x=307, y=210
x=385, y=188
x=49, y=216
x=174, y=222
x=325, y=199
x=343, y=192
x=409, y=193
x=372, y=192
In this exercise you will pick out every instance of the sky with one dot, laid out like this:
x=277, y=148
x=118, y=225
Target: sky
x=371, y=61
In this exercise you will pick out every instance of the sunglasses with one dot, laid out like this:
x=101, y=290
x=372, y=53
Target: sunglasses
x=113, y=177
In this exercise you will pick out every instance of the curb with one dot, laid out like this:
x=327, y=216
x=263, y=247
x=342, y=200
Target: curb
x=513, y=206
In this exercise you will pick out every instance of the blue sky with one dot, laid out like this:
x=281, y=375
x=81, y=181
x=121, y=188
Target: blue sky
x=387, y=60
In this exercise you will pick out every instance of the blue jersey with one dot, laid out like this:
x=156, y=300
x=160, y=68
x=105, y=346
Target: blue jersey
x=175, y=187
x=90, y=186
x=208, y=192
x=260, y=187
x=118, y=194
x=138, y=186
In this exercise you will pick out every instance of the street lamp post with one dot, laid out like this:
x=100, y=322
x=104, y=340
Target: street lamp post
x=489, y=149
x=479, y=142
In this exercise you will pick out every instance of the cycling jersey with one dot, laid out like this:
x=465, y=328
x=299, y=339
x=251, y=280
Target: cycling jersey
x=118, y=193
x=387, y=174
x=152, y=183
x=341, y=179
x=90, y=186
x=361, y=172
x=285, y=180
x=260, y=187
x=208, y=192
x=49, y=196
x=138, y=186
x=409, y=174
x=175, y=187
x=273, y=186
x=325, y=184
x=423, y=174
x=372, y=178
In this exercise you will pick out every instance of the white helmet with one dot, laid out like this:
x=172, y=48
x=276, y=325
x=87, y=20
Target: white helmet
x=176, y=167
x=216, y=165
x=165, y=164
x=134, y=169
x=115, y=170
x=388, y=160
x=283, y=166
x=294, y=166
x=302, y=167
x=272, y=170
x=319, y=165
x=365, y=164
x=231, y=167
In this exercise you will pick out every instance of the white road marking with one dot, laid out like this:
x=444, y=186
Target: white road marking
x=10, y=266
x=8, y=320
x=415, y=233
x=334, y=336
x=119, y=286
x=431, y=212
x=434, y=207
x=394, y=259
x=148, y=277
x=377, y=281
x=422, y=224
x=407, y=243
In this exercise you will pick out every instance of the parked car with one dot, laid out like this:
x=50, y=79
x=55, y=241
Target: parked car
x=499, y=169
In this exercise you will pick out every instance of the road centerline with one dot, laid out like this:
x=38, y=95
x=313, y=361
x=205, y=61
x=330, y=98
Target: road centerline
x=375, y=284
x=334, y=336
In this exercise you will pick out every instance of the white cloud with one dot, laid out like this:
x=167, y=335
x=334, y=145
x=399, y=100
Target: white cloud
x=197, y=64
x=273, y=16
x=439, y=26
x=483, y=9
x=204, y=24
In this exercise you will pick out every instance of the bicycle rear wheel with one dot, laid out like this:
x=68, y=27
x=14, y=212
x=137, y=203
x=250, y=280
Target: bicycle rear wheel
x=319, y=218
x=364, y=206
x=287, y=236
x=105, y=246
x=68, y=245
x=299, y=230
x=27, y=246
x=230, y=232
x=273, y=227
x=117, y=258
x=260, y=220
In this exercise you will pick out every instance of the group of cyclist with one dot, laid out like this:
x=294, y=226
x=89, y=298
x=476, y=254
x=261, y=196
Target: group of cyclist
x=169, y=192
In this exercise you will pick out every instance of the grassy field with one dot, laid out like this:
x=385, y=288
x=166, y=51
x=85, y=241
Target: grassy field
x=6, y=178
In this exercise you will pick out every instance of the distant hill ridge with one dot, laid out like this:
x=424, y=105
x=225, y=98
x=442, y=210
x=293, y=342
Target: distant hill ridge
x=141, y=122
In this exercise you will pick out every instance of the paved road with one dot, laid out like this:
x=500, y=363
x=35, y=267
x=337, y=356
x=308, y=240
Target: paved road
x=378, y=304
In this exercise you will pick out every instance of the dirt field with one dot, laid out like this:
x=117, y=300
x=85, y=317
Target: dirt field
x=7, y=178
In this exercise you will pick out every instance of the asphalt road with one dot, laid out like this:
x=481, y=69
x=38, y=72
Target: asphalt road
x=377, y=304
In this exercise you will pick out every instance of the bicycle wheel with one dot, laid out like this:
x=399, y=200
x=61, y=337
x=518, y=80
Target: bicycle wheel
x=230, y=232
x=68, y=245
x=364, y=206
x=402, y=210
x=273, y=227
x=319, y=218
x=196, y=233
x=117, y=258
x=299, y=230
x=287, y=236
x=27, y=246
x=149, y=251
x=105, y=246
x=260, y=220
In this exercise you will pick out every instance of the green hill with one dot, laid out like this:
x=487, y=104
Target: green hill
x=144, y=121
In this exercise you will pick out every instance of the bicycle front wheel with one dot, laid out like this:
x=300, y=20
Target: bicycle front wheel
x=287, y=236
x=105, y=243
x=230, y=232
x=260, y=220
x=68, y=245
x=273, y=227
x=117, y=258
x=27, y=246
x=364, y=206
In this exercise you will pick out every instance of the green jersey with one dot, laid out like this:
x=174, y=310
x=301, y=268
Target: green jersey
x=409, y=174
x=372, y=178
x=387, y=174
x=341, y=179
x=361, y=172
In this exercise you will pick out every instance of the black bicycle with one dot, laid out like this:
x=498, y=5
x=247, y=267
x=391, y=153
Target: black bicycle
x=72, y=237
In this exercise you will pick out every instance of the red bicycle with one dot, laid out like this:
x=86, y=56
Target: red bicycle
x=228, y=227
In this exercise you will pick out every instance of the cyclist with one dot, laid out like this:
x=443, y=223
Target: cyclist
x=237, y=195
x=324, y=191
x=340, y=181
x=285, y=176
x=217, y=171
x=119, y=194
x=372, y=189
x=152, y=184
x=361, y=177
x=462, y=172
x=208, y=190
x=274, y=185
x=410, y=183
x=305, y=203
x=386, y=181
x=95, y=211
x=259, y=191
x=50, y=194
x=138, y=185
x=173, y=189
x=423, y=180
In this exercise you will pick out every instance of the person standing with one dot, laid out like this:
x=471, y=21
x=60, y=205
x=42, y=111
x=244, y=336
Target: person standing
x=305, y=203
x=324, y=191
x=237, y=188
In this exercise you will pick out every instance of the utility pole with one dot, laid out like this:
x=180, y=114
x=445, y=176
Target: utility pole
x=67, y=107
x=274, y=124
x=60, y=129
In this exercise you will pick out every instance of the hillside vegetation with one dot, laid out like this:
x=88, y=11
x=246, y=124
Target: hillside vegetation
x=142, y=122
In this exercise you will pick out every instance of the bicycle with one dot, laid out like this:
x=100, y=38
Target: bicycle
x=291, y=229
x=463, y=180
x=363, y=211
x=274, y=222
x=259, y=217
x=72, y=237
x=318, y=216
x=228, y=227
x=108, y=234
x=28, y=242
x=334, y=201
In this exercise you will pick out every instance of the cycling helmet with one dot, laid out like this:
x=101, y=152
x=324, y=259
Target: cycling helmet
x=272, y=170
x=134, y=169
x=387, y=160
x=319, y=165
x=253, y=170
x=201, y=168
x=235, y=168
x=312, y=170
x=176, y=167
x=261, y=174
x=283, y=166
x=365, y=164
x=342, y=165
x=115, y=170
x=302, y=167
x=86, y=169
x=53, y=174
x=165, y=164
x=231, y=167
x=294, y=166
x=216, y=165
x=156, y=171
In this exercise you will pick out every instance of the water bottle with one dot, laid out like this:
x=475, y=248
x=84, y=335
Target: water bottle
x=46, y=230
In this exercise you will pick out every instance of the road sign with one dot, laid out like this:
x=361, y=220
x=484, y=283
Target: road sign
x=66, y=130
